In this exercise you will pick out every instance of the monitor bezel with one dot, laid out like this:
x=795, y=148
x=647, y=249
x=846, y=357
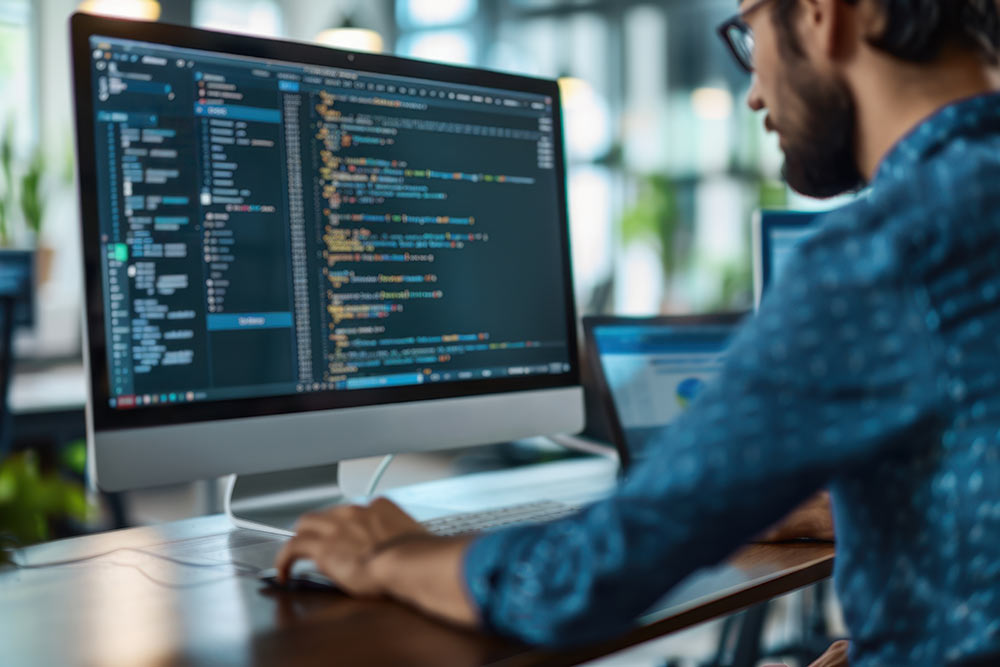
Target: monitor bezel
x=105, y=418
x=593, y=356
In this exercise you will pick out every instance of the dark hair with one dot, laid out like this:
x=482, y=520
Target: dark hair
x=917, y=30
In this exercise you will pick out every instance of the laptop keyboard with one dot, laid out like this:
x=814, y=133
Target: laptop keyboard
x=478, y=522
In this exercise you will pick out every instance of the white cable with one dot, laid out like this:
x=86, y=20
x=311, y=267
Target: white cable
x=377, y=475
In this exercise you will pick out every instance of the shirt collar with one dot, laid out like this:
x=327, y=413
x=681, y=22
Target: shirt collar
x=970, y=116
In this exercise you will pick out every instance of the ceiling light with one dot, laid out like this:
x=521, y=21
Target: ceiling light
x=352, y=39
x=712, y=103
x=142, y=10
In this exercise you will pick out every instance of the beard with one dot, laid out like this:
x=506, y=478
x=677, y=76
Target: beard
x=820, y=159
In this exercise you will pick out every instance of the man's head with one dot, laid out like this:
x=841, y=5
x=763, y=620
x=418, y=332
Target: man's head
x=811, y=55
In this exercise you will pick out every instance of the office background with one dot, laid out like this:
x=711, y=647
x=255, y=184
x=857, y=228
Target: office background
x=666, y=163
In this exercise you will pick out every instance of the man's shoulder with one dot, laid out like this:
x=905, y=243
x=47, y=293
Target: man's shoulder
x=948, y=203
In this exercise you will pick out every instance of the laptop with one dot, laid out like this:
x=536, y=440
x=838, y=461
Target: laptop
x=648, y=371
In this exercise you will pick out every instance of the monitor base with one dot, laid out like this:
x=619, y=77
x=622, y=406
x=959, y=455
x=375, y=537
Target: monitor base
x=273, y=501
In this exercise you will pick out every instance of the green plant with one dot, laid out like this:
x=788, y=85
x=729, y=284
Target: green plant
x=736, y=288
x=30, y=499
x=772, y=194
x=23, y=189
x=32, y=201
x=656, y=218
x=7, y=167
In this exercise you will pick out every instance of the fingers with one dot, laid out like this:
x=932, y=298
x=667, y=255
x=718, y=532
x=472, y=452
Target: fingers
x=344, y=536
x=393, y=520
x=325, y=523
x=315, y=523
x=297, y=548
x=383, y=504
x=835, y=656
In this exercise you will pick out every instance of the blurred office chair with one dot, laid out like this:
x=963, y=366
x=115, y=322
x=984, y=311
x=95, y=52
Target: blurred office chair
x=16, y=308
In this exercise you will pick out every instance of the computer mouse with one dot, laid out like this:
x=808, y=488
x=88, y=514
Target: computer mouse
x=304, y=577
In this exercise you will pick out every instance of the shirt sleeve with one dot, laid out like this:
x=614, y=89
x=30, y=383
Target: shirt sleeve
x=834, y=372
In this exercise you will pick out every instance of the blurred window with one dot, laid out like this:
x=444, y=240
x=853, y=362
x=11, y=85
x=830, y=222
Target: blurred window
x=254, y=17
x=449, y=46
x=16, y=94
x=434, y=13
x=665, y=162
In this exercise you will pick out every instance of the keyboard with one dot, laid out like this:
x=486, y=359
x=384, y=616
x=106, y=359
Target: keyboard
x=478, y=522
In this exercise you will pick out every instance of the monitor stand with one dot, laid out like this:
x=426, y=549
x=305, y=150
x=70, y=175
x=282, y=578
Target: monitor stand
x=273, y=501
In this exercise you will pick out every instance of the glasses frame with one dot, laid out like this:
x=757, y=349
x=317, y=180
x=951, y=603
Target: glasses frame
x=738, y=23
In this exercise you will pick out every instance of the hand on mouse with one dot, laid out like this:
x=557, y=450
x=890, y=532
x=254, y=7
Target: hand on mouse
x=378, y=551
x=343, y=540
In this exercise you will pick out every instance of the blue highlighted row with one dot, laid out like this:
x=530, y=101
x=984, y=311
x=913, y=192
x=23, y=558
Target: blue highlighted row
x=150, y=87
x=238, y=113
x=249, y=321
x=385, y=381
x=142, y=120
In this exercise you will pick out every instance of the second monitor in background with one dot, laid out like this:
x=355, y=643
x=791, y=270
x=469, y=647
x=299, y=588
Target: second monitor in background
x=775, y=234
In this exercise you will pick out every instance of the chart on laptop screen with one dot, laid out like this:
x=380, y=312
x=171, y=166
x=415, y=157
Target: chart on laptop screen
x=655, y=373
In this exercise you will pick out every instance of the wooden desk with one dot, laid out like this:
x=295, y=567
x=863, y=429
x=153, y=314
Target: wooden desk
x=133, y=609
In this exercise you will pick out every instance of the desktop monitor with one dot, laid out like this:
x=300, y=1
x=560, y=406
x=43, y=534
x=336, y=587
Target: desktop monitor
x=775, y=234
x=296, y=255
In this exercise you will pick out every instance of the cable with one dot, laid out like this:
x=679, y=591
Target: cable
x=377, y=475
x=242, y=569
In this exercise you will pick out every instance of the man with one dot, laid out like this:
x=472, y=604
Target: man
x=873, y=368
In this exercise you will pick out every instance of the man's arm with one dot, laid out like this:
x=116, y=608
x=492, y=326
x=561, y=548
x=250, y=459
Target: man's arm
x=381, y=551
x=836, y=371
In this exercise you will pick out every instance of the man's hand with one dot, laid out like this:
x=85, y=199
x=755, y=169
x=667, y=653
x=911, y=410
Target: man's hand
x=813, y=520
x=836, y=656
x=342, y=541
x=380, y=550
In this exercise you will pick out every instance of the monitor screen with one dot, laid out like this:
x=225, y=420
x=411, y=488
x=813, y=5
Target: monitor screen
x=653, y=373
x=270, y=228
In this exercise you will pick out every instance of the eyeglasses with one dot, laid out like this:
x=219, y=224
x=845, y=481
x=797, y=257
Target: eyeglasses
x=739, y=38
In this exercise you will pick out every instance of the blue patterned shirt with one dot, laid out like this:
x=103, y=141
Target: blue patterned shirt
x=872, y=368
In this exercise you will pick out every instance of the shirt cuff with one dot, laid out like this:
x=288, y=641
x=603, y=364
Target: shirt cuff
x=480, y=568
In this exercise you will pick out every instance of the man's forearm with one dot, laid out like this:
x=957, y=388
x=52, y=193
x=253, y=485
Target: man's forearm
x=427, y=573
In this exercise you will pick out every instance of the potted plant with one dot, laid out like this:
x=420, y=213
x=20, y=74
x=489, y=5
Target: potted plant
x=7, y=196
x=656, y=219
x=31, y=500
x=22, y=206
x=33, y=212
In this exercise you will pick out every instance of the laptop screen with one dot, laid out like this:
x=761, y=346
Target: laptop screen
x=654, y=372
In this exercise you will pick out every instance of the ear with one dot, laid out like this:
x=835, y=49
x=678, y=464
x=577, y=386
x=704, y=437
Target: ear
x=822, y=27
